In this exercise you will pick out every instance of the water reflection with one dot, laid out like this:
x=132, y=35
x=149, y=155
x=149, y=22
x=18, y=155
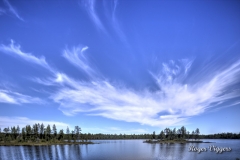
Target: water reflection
x=40, y=152
x=153, y=149
x=117, y=149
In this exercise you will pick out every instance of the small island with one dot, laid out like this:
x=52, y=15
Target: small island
x=176, y=136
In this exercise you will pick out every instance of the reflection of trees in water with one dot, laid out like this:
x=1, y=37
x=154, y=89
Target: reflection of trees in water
x=9, y=152
x=166, y=151
x=57, y=151
x=21, y=149
x=78, y=151
x=61, y=149
x=41, y=152
x=182, y=150
x=196, y=145
x=86, y=148
x=74, y=152
x=169, y=151
x=153, y=149
x=124, y=150
x=29, y=152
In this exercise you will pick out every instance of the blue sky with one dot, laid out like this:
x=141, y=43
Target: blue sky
x=120, y=66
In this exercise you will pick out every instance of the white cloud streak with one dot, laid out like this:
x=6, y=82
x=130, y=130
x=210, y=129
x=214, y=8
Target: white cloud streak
x=13, y=10
x=15, y=49
x=90, y=8
x=172, y=104
x=116, y=25
x=23, y=121
x=7, y=96
x=77, y=58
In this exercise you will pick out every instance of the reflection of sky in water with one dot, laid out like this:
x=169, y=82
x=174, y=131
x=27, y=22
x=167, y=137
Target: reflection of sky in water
x=119, y=149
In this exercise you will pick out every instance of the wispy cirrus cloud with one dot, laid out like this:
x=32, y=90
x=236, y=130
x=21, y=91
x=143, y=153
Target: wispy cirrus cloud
x=109, y=7
x=15, y=50
x=90, y=8
x=172, y=104
x=76, y=57
x=7, y=96
x=116, y=24
x=6, y=121
x=100, y=98
x=13, y=10
x=13, y=97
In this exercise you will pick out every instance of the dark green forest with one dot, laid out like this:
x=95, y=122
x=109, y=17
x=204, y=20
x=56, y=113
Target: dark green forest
x=40, y=133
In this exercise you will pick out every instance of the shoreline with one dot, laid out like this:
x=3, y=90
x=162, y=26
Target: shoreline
x=43, y=143
x=173, y=141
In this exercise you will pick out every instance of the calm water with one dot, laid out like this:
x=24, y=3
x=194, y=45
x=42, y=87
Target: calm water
x=121, y=149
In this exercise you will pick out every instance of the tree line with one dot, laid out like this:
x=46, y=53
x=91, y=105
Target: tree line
x=166, y=134
x=40, y=133
x=177, y=134
x=227, y=135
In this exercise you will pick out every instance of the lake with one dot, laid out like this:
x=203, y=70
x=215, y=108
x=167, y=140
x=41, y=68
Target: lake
x=122, y=150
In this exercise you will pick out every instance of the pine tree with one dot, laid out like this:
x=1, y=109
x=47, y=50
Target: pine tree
x=6, y=130
x=197, y=132
x=188, y=134
x=38, y=126
x=68, y=134
x=13, y=132
x=162, y=135
x=183, y=132
x=193, y=134
x=23, y=134
x=61, y=135
x=73, y=137
x=174, y=132
x=167, y=133
x=41, y=130
x=179, y=133
x=48, y=133
x=28, y=132
x=77, y=132
x=18, y=130
x=35, y=131
x=154, y=135
x=54, y=130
